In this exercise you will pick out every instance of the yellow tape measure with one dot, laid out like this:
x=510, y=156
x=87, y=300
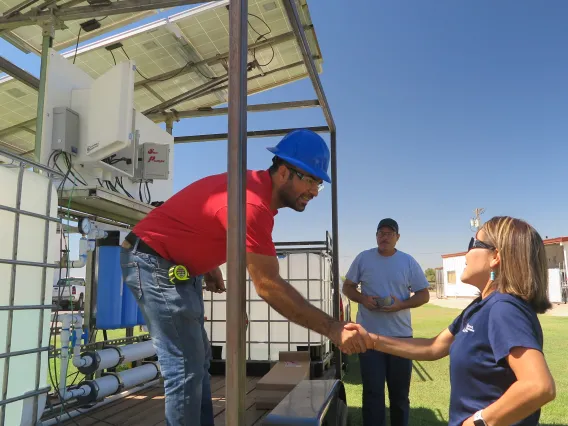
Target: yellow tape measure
x=178, y=273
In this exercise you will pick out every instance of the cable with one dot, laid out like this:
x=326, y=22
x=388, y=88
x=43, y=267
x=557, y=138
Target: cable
x=260, y=37
x=119, y=183
x=77, y=44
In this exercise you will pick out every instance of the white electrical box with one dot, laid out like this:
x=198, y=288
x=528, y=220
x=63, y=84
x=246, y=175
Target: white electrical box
x=153, y=161
x=65, y=135
x=107, y=108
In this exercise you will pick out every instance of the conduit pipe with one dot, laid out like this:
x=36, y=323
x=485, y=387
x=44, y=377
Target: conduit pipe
x=92, y=361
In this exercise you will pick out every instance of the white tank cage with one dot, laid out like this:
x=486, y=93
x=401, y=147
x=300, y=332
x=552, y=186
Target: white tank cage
x=28, y=214
x=307, y=266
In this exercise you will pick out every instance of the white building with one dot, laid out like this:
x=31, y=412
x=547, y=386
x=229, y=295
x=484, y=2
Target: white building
x=450, y=285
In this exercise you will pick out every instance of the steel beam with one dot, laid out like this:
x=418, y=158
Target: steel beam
x=335, y=248
x=47, y=42
x=209, y=112
x=16, y=127
x=184, y=70
x=251, y=134
x=294, y=19
x=210, y=88
x=19, y=7
x=18, y=73
x=236, y=219
x=216, y=60
x=187, y=95
x=86, y=12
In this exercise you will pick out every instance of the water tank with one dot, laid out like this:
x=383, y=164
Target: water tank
x=27, y=329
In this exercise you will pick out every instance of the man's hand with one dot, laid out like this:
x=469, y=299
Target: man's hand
x=214, y=281
x=350, y=338
x=396, y=306
x=468, y=422
x=370, y=302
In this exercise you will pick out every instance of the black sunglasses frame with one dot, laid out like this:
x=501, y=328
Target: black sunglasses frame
x=475, y=243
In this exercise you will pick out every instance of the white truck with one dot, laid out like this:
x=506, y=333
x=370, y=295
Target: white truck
x=68, y=290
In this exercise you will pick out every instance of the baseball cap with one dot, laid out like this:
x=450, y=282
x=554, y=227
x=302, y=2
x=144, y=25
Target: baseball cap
x=389, y=223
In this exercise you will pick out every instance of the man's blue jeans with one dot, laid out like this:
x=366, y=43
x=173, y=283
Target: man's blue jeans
x=376, y=368
x=174, y=316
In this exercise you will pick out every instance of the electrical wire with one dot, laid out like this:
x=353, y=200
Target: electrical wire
x=119, y=183
x=260, y=37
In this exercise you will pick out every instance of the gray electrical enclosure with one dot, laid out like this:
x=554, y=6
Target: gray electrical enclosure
x=65, y=135
x=153, y=161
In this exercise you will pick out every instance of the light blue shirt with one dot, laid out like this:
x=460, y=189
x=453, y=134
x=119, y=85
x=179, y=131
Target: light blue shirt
x=397, y=275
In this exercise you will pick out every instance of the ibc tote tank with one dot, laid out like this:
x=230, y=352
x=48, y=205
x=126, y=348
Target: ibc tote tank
x=23, y=240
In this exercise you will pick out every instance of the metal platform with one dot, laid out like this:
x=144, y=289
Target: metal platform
x=106, y=204
x=146, y=408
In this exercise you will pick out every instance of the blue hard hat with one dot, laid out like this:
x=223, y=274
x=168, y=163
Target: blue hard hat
x=306, y=150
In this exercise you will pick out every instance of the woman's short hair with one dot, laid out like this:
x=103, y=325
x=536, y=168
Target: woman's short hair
x=523, y=270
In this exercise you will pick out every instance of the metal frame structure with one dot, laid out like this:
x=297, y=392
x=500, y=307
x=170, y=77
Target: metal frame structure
x=51, y=16
x=14, y=262
x=322, y=279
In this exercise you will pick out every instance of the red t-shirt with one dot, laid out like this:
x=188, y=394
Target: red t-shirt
x=190, y=228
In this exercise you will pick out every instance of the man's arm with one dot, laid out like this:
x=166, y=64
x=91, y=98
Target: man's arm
x=350, y=290
x=286, y=300
x=418, y=284
x=418, y=299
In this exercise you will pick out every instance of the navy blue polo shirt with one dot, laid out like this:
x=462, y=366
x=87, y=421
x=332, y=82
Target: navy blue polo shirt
x=484, y=335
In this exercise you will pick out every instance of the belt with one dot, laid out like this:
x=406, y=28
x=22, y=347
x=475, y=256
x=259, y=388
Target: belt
x=142, y=246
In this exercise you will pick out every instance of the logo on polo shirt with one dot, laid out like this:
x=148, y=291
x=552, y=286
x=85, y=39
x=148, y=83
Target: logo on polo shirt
x=468, y=328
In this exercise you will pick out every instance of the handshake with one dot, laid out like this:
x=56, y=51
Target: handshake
x=352, y=338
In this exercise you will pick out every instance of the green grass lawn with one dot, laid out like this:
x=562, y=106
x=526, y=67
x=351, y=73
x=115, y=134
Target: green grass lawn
x=430, y=387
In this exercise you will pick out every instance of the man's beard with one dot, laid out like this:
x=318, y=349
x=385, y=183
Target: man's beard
x=288, y=200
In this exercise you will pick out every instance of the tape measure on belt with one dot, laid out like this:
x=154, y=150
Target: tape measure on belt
x=178, y=273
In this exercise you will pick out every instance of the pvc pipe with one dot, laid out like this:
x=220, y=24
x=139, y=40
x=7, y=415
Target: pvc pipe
x=82, y=261
x=66, y=321
x=115, y=382
x=108, y=385
x=74, y=413
x=112, y=357
x=135, y=376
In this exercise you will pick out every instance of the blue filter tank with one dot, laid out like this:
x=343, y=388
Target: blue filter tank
x=109, y=289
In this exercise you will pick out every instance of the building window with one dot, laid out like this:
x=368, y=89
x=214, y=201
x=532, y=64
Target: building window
x=451, y=277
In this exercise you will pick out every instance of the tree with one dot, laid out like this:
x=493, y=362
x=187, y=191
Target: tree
x=430, y=275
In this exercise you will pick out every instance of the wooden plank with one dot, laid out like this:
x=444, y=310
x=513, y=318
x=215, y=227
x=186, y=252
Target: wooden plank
x=146, y=408
x=252, y=414
x=94, y=417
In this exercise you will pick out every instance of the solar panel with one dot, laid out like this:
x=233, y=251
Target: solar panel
x=165, y=51
x=29, y=38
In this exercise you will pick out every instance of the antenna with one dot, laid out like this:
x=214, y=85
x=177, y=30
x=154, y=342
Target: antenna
x=475, y=222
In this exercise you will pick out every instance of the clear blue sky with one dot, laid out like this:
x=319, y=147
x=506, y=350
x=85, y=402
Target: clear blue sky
x=441, y=107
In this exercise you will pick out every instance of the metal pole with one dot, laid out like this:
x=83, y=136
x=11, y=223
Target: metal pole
x=12, y=293
x=48, y=33
x=42, y=294
x=335, y=245
x=237, y=150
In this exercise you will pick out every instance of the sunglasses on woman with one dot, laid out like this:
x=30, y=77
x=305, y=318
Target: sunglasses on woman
x=475, y=243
